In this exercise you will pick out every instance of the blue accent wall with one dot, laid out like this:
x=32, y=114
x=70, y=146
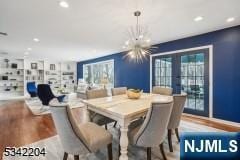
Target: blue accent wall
x=226, y=66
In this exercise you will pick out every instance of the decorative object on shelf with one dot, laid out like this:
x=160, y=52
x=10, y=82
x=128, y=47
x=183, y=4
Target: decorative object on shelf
x=14, y=65
x=34, y=66
x=29, y=72
x=4, y=78
x=6, y=61
x=18, y=72
x=68, y=67
x=68, y=73
x=138, y=44
x=52, y=67
x=15, y=87
x=134, y=93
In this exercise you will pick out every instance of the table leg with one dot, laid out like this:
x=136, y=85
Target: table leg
x=124, y=143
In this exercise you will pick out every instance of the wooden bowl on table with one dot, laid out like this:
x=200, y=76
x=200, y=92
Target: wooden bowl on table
x=134, y=93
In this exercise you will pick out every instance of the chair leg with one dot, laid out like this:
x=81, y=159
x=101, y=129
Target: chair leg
x=170, y=140
x=65, y=156
x=76, y=157
x=106, y=126
x=162, y=151
x=177, y=134
x=119, y=150
x=149, y=153
x=110, y=156
x=115, y=123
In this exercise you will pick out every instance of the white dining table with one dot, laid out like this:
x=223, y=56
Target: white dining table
x=124, y=110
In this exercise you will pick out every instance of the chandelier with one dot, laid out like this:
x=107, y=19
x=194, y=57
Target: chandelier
x=138, y=44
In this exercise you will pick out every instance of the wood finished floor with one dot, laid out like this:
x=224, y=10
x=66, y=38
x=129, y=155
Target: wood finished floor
x=18, y=126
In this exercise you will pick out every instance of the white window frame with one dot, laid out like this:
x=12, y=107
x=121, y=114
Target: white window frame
x=99, y=62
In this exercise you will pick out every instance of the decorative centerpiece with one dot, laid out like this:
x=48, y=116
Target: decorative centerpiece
x=134, y=93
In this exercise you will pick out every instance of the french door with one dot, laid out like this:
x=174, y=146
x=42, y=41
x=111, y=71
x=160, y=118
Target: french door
x=185, y=72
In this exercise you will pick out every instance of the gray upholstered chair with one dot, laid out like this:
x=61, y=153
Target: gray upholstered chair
x=95, y=117
x=118, y=91
x=78, y=138
x=178, y=106
x=162, y=90
x=152, y=132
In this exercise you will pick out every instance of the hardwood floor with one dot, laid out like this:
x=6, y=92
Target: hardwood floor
x=210, y=123
x=18, y=126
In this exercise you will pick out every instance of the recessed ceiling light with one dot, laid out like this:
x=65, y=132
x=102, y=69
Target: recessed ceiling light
x=26, y=53
x=29, y=49
x=64, y=4
x=123, y=47
x=36, y=39
x=230, y=19
x=198, y=18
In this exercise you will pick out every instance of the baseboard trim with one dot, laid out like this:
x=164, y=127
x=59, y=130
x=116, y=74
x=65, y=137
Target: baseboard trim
x=235, y=124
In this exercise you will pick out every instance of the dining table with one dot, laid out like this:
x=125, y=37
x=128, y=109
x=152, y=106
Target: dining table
x=124, y=110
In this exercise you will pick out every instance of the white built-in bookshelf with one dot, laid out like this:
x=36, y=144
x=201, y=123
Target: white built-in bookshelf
x=12, y=77
x=15, y=73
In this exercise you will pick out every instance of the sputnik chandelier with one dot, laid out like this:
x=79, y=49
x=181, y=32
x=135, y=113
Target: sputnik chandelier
x=138, y=44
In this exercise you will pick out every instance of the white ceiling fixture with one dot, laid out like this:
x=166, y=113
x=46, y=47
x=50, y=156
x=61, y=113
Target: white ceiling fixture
x=230, y=19
x=137, y=44
x=36, y=40
x=101, y=25
x=198, y=18
x=29, y=49
x=64, y=4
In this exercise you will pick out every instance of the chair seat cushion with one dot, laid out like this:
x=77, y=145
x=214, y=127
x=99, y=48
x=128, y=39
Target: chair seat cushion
x=95, y=137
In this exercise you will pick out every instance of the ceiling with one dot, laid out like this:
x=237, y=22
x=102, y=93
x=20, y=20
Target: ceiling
x=93, y=28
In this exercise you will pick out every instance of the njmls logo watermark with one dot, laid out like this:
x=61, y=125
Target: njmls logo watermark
x=210, y=146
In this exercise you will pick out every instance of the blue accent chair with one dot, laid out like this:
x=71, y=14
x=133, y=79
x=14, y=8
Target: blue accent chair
x=32, y=89
x=45, y=94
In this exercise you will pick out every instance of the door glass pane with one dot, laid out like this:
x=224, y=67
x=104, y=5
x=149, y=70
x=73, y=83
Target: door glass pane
x=163, y=72
x=192, y=80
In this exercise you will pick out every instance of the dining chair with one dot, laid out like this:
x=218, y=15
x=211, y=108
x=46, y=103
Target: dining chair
x=178, y=106
x=32, y=89
x=78, y=138
x=45, y=94
x=162, y=90
x=119, y=91
x=95, y=117
x=151, y=133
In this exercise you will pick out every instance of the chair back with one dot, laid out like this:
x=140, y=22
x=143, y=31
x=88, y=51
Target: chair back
x=65, y=127
x=119, y=91
x=178, y=106
x=153, y=131
x=162, y=90
x=96, y=93
x=32, y=89
x=45, y=93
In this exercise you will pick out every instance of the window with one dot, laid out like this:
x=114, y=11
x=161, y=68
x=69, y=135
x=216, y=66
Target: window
x=100, y=73
x=163, y=72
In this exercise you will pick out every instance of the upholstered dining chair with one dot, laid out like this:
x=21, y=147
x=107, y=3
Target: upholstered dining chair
x=95, y=117
x=78, y=138
x=178, y=106
x=32, y=89
x=162, y=90
x=118, y=91
x=151, y=133
x=45, y=94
